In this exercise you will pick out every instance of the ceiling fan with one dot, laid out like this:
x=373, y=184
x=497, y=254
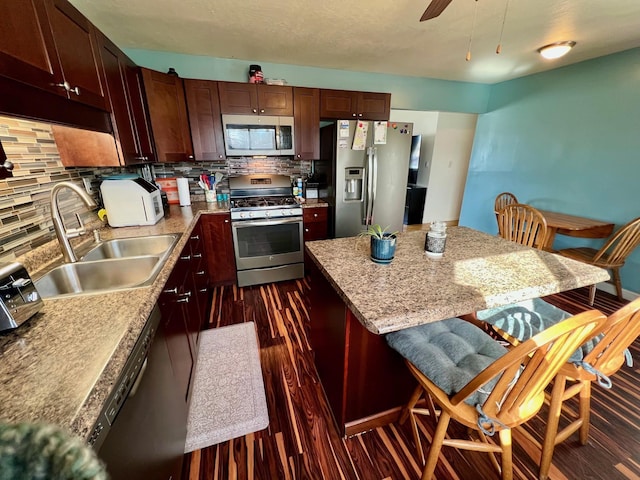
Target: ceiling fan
x=435, y=8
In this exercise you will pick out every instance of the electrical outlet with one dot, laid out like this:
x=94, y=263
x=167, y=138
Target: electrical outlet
x=87, y=186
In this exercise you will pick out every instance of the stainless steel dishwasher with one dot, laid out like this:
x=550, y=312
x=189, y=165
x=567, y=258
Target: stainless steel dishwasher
x=142, y=429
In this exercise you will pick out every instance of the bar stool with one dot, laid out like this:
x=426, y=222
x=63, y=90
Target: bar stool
x=479, y=383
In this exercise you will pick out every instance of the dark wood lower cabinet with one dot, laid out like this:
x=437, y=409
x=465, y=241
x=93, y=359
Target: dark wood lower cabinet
x=218, y=245
x=365, y=381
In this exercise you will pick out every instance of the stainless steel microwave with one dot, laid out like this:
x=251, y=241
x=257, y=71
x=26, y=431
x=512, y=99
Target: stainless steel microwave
x=249, y=135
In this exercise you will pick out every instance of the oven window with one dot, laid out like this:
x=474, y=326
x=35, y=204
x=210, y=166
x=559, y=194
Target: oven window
x=265, y=240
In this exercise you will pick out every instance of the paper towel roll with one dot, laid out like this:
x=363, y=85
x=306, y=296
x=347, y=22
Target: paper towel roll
x=183, y=192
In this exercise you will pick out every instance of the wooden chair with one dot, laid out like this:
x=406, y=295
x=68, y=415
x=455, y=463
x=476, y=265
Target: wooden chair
x=502, y=200
x=503, y=390
x=611, y=256
x=522, y=224
x=595, y=360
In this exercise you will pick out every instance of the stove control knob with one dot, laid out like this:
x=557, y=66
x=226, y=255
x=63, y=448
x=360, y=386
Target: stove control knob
x=242, y=215
x=267, y=214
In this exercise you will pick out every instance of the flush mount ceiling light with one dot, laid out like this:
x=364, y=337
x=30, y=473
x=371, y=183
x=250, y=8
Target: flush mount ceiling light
x=556, y=50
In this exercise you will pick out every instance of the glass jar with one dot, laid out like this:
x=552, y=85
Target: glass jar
x=436, y=239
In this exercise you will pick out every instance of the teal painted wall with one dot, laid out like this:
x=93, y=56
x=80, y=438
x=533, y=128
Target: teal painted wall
x=567, y=140
x=408, y=93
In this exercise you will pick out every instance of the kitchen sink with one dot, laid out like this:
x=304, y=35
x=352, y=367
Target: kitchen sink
x=157, y=245
x=117, y=264
x=99, y=276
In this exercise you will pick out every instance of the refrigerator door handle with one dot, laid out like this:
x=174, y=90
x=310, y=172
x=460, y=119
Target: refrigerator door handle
x=374, y=181
x=369, y=172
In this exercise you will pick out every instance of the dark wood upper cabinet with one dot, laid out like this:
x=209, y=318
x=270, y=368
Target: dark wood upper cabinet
x=345, y=105
x=255, y=99
x=203, y=105
x=168, y=113
x=306, y=114
x=27, y=50
x=115, y=64
x=135, y=94
x=77, y=46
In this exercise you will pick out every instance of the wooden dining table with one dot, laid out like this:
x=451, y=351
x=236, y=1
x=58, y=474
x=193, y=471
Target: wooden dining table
x=573, y=226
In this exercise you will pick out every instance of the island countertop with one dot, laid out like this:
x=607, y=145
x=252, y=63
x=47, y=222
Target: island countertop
x=477, y=271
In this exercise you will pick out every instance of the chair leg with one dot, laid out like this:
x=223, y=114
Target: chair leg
x=592, y=294
x=436, y=445
x=617, y=282
x=549, y=441
x=415, y=396
x=585, y=412
x=507, y=454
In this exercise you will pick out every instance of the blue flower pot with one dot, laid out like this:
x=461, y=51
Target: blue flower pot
x=383, y=249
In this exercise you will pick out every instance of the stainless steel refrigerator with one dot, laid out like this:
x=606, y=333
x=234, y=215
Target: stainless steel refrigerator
x=369, y=185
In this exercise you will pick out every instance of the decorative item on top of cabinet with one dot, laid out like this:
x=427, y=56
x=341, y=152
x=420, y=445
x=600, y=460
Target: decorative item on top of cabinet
x=255, y=99
x=346, y=104
x=218, y=245
x=134, y=146
x=306, y=114
x=315, y=223
x=168, y=113
x=205, y=121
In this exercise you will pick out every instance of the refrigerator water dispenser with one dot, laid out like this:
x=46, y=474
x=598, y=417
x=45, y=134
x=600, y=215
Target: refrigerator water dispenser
x=353, y=178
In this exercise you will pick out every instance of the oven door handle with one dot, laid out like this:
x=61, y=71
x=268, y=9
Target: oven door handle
x=257, y=223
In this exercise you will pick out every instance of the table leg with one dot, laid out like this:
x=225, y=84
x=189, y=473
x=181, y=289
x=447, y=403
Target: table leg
x=548, y=241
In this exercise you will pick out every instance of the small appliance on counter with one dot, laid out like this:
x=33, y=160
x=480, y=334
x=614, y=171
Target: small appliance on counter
x=131, y=201
x=19, y=299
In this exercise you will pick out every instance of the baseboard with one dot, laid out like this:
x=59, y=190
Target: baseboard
x=610, y=288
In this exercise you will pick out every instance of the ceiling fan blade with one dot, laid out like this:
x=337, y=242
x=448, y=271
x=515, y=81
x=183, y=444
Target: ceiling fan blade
x=435, y=8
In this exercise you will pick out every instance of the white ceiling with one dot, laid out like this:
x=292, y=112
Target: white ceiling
x=375, y=35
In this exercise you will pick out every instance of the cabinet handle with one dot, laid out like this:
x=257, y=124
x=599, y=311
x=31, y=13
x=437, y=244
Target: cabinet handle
x=195, y=237
x=254, y=110
x=353, y=114
x=203, y=290
x=220, y=156
x=306, y=230
x=298, y=156
x=190, y=157
x=186, y=257
x=67, y=87
x=197, y=255
x=359, y=114
x=262, y=110
x=75, y=90
x=226, y=221
x=184, y=298
x=201, y=272
x=315, y=215
x=173, y=290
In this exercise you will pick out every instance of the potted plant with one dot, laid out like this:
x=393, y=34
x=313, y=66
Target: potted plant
x=383, y=243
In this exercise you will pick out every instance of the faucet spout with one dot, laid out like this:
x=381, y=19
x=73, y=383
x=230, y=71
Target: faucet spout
x=62, y=233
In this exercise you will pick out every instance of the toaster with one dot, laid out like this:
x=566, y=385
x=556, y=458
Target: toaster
x=131, y=202
x=19, y=299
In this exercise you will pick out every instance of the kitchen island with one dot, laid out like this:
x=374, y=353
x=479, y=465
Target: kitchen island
x=355, y=301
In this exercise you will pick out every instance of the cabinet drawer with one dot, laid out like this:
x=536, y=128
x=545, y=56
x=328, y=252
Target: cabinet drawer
x=315, y=215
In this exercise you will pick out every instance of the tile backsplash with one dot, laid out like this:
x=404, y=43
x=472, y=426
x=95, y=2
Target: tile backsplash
x=25, y=217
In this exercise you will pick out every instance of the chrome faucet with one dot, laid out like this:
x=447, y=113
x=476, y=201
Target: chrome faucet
x=62, y=232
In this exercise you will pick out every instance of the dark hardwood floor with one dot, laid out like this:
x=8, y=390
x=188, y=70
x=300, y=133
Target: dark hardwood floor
x=301, y=441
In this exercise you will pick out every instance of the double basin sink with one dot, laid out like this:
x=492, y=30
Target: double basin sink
x=111, y=265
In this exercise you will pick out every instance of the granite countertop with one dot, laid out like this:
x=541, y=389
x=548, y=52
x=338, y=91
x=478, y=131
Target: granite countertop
x=315, y=203
x=60, y=366
x=477, y=271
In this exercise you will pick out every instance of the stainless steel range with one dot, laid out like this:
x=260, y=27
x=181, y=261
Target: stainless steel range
x=266, y=222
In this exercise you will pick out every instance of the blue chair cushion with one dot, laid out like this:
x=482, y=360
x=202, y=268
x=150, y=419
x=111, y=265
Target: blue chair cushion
x=525, y=319
x=450, y=353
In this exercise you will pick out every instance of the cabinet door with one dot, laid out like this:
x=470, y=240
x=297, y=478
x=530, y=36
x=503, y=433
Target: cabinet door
x=238, y=98
x=76, y=44
x=168, y=113
x=218, y=245
x=315, y=223
x=275, y=100
x=306, y=109
x=338, y=104
x=374, y=106
x=135, y=94
x=27, y=49
x=203, y=105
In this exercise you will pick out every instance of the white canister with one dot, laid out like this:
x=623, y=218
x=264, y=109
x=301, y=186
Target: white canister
x=183, y=192
x=436, y=239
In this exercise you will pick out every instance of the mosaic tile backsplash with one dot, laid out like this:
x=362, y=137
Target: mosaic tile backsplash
x=25, y=213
